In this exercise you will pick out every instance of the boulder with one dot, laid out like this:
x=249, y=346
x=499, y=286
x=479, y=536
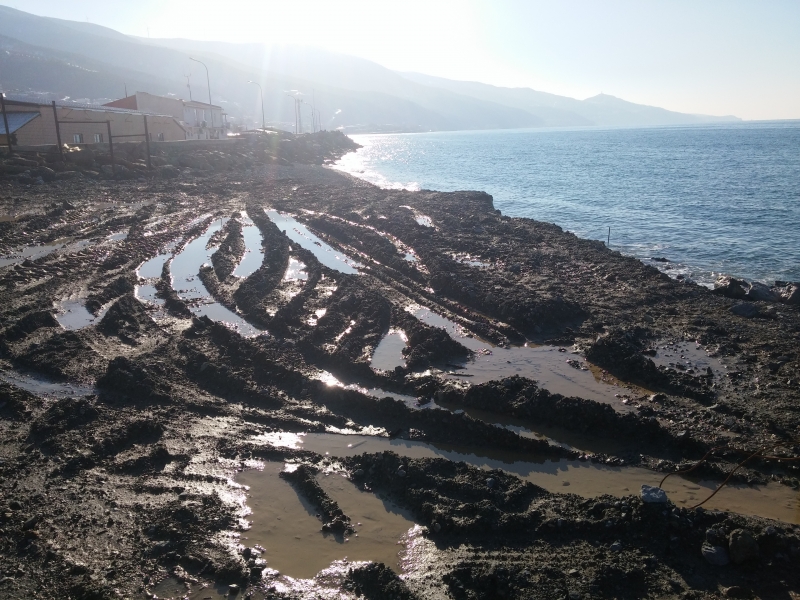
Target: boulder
x=715, y=555
x=760, y=292
x=742, y=546
x=653, y=495
x=730, y=287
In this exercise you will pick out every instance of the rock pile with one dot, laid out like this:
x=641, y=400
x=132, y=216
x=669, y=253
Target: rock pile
x=172, y=159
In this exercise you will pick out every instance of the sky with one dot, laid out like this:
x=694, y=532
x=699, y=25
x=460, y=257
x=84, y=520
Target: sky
x=716, y=57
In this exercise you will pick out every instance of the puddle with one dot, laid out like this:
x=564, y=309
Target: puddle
x=118, y=237
x=148, y=293
x=172, y=589
x=41, y=386
x=549, y=367
x=686, y=356
x=467, y=259
x=389, y=352
x=421, y=219
x=72, y=314
x=299, y=234
x=773, y=501
x=151, y=269
x=254, y=252
x=186, y=282
x=296, y=271
x=285, y=525
x=36, y=252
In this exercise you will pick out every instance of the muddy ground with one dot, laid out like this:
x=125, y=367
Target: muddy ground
x=126, y=488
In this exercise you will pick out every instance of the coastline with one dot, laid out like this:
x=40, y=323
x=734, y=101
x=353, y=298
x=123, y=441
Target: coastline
x=183, y=402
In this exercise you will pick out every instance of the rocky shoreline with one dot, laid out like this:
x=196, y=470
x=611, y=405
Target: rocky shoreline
x=129, y=492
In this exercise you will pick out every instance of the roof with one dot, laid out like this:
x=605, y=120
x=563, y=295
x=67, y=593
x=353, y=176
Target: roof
x=16, y=120
x=25, y=101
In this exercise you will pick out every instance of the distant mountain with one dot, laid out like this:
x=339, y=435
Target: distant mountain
x=55, y=58
x=603, y=110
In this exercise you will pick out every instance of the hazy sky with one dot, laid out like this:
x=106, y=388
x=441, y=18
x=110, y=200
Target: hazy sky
x=713, y=57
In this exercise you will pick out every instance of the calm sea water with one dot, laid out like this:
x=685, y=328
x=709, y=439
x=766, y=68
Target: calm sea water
x=711, y=199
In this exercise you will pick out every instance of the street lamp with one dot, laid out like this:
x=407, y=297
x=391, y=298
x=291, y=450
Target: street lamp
x=263, y=122
x=208, y=81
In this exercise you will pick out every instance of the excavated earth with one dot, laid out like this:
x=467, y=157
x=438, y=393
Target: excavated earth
x=122, y=434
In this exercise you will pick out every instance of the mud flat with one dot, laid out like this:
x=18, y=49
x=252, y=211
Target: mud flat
x=259, y=380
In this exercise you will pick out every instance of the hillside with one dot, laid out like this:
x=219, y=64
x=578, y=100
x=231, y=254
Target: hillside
x=54, y=58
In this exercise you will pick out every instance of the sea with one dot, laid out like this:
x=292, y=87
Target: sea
x=710, y=199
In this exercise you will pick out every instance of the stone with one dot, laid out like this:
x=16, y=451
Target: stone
x=401, y=473
x=730, y=287
x=490, y=482
x=715, y=555
x=742, y=546
x=616, y=547
x=737, y=591
x=653, y=495
x=760, y=292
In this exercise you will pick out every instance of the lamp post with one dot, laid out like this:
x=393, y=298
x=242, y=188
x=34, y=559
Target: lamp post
x=208, y=81
x=263, y=122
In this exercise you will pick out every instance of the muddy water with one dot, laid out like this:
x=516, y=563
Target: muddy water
x=35, y=252
x=41, y=386
x=73, y=314
x=686, y=356
x=586, y=479
x=186, y=282
x=254, y=252
x=296, y=271
x=546, y=364
x=389, y=352
x=300, y=235
x=285, y=525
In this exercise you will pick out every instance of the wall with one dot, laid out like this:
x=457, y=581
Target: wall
x=42, y=129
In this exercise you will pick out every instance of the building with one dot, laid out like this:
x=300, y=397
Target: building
x=201, y=121
x=34, y=124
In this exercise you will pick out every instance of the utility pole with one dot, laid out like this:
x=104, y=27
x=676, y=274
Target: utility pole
x=189, y=85
x=126, y=89
x=208, y=81
x=263, y=122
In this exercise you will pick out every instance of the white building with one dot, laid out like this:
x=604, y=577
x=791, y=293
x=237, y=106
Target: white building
x=200, y=120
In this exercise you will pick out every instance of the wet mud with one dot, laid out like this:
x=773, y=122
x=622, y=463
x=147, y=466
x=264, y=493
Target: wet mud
x=256, y=379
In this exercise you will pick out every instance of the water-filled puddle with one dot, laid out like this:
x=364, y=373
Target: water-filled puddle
x=389, y=352
x=586, y=479
x=73, y=314
x=42, y=386
x=686, y=356
x=36, y=252
x=558, y=372
x=284, y=524
x=186, y=282
x=118, y=237
x=470, y=260
x=421, y=219
x=254, y=253
x=296, y=271
x=300, y=235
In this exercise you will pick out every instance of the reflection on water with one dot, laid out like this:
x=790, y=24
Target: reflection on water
x=586, y=479
x=254, y=252
x=389, y=352
x=284, y=524
x=300, y=234
x=72, y=314
x=556, y=371
x=42, y=386
x=186, y=282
